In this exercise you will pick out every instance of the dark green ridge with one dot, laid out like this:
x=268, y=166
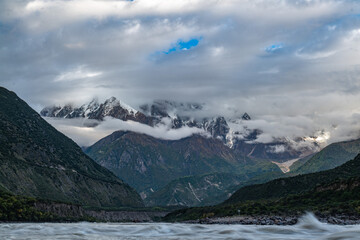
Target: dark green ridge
x=339, y=198
x=38, y=161
x=149, y=164
x=295, y=185
x=330, y=157
x=331, y=192
x=301, y=162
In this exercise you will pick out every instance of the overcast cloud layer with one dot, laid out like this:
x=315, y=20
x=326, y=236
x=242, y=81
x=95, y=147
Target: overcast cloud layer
x=294, y=66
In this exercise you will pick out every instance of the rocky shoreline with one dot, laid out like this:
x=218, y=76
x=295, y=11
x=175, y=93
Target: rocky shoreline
x=276, y=220
x=70, y=212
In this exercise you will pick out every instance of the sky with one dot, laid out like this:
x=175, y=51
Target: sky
x=293, y=65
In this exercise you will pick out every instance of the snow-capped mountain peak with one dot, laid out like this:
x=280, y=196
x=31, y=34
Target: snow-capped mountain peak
x=93, y=110
x=92, y=106
x=112, y=103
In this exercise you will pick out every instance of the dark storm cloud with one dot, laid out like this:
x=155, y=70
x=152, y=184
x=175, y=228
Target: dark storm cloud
x=293, y=64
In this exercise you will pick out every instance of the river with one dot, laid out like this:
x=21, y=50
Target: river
x=308, y=227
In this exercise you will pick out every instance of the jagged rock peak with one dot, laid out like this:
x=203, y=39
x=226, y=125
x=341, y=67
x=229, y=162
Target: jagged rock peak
x=246, y=116
x=113, y=102
x=112, y=99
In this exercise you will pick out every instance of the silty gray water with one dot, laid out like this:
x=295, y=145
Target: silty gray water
x=308, y=227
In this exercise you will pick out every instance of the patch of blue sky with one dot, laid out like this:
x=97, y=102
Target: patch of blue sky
x=179, y=46
x=183, y=45
x=274, y=47
x=189, y=44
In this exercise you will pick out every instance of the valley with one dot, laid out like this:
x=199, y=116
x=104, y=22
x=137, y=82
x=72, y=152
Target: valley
x=201, y=170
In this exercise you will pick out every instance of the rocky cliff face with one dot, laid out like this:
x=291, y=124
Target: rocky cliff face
x=37, y=160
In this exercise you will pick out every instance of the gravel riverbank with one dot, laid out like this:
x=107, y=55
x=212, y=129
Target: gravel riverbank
x=277, y=220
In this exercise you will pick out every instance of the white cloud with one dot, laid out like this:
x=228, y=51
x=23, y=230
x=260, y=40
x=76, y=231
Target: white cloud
x=277, y=149
x=78, y=73
x=353, y=35
x=314, y=55
x=82, y=134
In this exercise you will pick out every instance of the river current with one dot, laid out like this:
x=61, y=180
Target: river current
x=308, y=227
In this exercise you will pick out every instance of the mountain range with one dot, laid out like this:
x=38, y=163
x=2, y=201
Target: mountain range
x=193, y=171
x=183, y=114
x=98, y=111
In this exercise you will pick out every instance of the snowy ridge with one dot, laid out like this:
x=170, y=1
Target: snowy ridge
x=92, y=110
x=233, y=132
